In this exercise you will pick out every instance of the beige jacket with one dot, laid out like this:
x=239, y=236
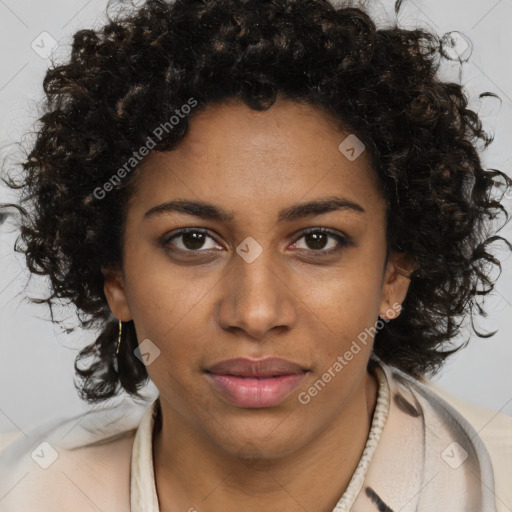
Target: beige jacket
x=66, y=465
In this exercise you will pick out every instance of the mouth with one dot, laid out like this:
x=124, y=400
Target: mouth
x=256, y=383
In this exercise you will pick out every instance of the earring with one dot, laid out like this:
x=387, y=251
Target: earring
x=119, y=337
x=116, y=358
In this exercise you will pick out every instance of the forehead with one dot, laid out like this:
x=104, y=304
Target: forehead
x=290, y=152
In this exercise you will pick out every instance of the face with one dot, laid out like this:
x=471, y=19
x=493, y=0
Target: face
x=259, y=274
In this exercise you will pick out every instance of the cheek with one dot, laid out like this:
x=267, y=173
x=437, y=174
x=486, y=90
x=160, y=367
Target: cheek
x=344, y=309
x=161, y=296
x=347, y=298
x=168, y=308
x=344, y=332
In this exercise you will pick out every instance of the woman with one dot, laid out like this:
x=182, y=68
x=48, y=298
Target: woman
x=278, y=214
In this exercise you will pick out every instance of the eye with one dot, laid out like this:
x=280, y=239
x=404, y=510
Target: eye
x=317, y=239
x=192, y=240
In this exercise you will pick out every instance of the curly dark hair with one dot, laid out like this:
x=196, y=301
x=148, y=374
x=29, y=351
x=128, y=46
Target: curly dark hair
x=382, y=84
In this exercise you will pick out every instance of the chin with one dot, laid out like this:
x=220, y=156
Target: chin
x=252, y=440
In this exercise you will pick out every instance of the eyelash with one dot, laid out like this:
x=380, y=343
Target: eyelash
x=342, y=240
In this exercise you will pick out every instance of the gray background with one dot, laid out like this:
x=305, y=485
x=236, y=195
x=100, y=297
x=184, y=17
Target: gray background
x=36, y=357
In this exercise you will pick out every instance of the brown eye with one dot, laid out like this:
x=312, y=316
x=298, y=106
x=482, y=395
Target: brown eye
x=192, y=239
x=317, y=239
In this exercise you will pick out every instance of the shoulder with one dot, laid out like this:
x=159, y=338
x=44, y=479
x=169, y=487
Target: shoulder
x=80, y=463
x=495, y=431
x=485, y=432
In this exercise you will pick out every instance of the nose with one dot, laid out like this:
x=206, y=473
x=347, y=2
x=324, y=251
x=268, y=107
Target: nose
x=257, y=298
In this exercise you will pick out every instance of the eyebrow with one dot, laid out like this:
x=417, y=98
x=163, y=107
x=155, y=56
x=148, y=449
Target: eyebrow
x=210, y=211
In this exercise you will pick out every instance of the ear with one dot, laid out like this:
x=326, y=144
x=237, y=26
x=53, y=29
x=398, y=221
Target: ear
x=395, y=285
x=114, y=289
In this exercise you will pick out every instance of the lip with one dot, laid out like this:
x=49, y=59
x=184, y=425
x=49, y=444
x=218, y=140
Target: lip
x=256, y=383
x=268, y=367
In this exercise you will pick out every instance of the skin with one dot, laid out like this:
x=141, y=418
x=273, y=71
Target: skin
x=289, y=302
